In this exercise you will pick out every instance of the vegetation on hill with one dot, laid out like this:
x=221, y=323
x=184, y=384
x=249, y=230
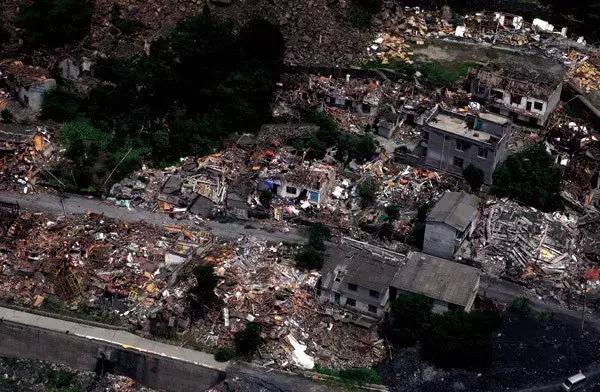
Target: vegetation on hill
x=199, y=84
x=54, y=23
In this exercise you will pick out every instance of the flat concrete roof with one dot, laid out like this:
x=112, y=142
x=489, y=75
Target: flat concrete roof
x=124, y=339
x=457, y=126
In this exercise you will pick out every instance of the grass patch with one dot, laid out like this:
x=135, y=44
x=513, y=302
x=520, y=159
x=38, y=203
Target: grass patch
x=445, y=74
x=394, y=65
x=435, y=73
x=353, y=376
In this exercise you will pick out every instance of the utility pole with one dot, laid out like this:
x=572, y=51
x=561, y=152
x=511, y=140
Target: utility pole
x=583, y=308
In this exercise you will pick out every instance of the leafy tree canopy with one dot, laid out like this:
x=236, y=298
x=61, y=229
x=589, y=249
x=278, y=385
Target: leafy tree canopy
x=531, y=177
x=54, y=23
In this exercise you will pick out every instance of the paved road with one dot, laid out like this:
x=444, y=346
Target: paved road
x=74, y=204
x=592, y=383
x=506, y=292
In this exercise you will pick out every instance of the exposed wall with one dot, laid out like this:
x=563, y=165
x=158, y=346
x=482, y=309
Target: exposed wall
x=439, y=240
x=362, y=298
x=21, y=340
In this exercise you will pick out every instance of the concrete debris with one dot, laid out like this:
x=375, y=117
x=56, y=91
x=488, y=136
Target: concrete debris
x=539, y=250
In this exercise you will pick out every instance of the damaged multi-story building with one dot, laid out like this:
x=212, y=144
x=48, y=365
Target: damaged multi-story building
x=452, y=141
x=365, y=282
x=521, y=91
x=28, y=83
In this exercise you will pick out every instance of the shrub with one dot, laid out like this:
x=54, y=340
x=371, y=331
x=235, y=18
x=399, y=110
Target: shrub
x=248, y=339
x=361, y=375
x=7, y=116
x=203, y=293
x=392, y=211
x=265, y=198
x=309, y=258
x=60, y=104
x=367, y=192
x=53, y=23
x=531, y=177
x=224, y=354
x=474, y=176
x=520, y=305
x=318, y=233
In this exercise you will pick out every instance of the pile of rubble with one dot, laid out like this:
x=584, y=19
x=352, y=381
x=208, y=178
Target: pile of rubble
x=387, y=48
x=198, y=185
x=37, y=376
x=131, y=270
x=585, y=72
x=139, y=275
x=262, y=285
x=539, y=250
x=24, y=153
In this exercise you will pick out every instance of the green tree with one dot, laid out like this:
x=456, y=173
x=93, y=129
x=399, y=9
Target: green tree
x=60, y=104
x=367, y=191
x=7, y=116
x=362, y=11
x=265, y=197
x=53, y=23
x=531, y=177
x=459, y=339
x=385, y=231
x=474, y=177
x=203, y=293
x=309, y=258
x=318, y=233
x=417, y=231
x=409, y=314
x=360, y=148
x=248, y=339
x=392, y=211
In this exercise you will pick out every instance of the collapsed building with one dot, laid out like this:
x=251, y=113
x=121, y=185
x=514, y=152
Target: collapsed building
x=28, y=83
x=519, y=91
x=304, y=182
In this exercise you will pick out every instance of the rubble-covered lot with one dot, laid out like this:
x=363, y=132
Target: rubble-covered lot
x=19, y=375
x=553, y=254
x=138, y=275
x=529, y=350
